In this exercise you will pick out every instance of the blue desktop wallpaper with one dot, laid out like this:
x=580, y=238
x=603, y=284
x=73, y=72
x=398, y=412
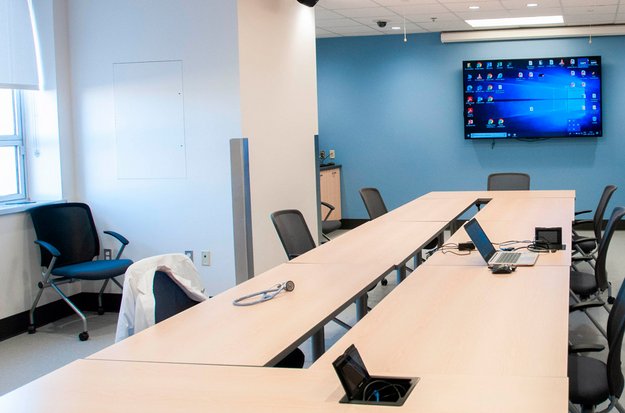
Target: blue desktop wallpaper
x=532, y=98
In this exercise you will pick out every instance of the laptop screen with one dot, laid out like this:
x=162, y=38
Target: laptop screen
x=479, y=238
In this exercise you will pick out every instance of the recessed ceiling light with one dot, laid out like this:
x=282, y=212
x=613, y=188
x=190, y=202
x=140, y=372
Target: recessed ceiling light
x=516, y=21
x=474, y=7
x=532, y=4
x=395, y=28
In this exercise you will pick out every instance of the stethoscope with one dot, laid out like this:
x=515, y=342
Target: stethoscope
x=264, y=295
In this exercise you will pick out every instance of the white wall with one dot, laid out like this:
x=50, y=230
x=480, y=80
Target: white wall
x=160, y=215
x=279, y=115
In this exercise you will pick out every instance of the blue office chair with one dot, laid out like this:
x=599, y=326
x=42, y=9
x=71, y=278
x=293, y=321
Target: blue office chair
x=68, y=241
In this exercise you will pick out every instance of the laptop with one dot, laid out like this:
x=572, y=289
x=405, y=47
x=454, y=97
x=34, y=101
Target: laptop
x=490, y=254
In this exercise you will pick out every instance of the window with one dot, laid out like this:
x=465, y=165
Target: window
x=12, y=185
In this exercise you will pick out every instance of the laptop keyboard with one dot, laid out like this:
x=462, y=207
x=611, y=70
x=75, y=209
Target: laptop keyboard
x=507, y=257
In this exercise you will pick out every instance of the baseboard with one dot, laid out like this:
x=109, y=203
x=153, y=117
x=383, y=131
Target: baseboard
x=56, y=310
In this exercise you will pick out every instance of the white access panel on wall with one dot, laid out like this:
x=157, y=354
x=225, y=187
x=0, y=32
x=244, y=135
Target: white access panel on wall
x=149, y=120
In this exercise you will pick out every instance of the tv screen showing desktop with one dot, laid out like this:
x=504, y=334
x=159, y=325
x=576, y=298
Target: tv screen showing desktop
x=546, y=97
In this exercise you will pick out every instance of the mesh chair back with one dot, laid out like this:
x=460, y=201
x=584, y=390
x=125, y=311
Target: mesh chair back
x=600, y=211
x=293, y=232
x=169, y=298
x=68, y=227
x=373, y=202
x=508, y=181
x=601, y=273
x=616, y=328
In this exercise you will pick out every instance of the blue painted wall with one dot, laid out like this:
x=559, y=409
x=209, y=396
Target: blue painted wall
x=393, y=113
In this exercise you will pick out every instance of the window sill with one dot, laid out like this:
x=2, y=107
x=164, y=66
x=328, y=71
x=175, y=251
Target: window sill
x=14, y=207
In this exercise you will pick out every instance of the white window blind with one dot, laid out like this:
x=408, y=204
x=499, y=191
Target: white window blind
x=18, y=57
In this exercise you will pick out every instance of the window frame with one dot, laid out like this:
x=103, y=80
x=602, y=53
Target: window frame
x=17, y=141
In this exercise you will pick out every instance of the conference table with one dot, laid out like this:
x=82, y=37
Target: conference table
x=478, y=341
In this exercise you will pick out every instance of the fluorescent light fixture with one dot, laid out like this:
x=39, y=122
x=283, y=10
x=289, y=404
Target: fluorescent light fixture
x=395, y=28
x=474, y=7
x=516, y=21
x=532, y=4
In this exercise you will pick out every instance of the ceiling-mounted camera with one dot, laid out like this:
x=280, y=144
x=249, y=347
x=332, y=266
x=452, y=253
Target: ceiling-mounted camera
x=381, y=23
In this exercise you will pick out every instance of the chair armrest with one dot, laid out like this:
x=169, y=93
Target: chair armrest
x=49, y=247
x=585, y=348
x=119, y=237
x=585, y=304
x=586, y=211
x=577, y=222
x=330, y=207
x=292, y=256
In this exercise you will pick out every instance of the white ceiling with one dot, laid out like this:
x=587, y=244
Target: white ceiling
x=335, y=18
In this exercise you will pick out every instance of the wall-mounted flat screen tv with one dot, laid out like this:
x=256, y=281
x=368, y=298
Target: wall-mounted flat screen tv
x=544, y=97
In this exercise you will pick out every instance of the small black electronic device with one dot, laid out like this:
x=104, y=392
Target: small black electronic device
x=466, y=246
x=548, y=238
x=361, y=388
x=502, y=269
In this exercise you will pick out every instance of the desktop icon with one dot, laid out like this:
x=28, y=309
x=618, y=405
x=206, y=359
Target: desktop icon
x=479, y=76
x=499, y=65
x=572, y=72
x=470, y=122
x=530, y=74
x=500, y=122
x=530, y=63
x=469, y=65
x=583, y=73
x=470, y=111
x=489, y=76
x=480, y=99
x=572, y=61
x=490, y=99
x=561, y=62
x=572, y=84
x=469, y=88
x=479, y=65
x=500, y=87
x=489, y=65
x=551, y=62
x=520, y=75
x=594, y=96
x=583, y=84
x=469, y=77
x=479, y=88
x=491, y=122
x=540, y=63
x=469, y=99
x=489, y=87
x=499, y=75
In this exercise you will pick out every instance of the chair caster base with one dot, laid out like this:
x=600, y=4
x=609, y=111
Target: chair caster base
x=384, y=281
x=84, y=336
x=100, y=310
x=31, y=329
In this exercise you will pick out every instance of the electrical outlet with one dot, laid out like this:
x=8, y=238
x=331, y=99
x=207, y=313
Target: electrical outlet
x=108, y=254
x=332, y=154
x=206, y=258
x=189, y=254
x=322, y=155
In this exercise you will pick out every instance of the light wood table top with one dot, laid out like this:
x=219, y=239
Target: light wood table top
x=501, y=231
x=217, y=332
x=465, y=320
x=542, y=211
x=431, y=209
x=112, y=386
x=501, y=194
x=391, y=242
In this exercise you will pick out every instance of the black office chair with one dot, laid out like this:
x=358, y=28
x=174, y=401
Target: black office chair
x=375, y=208
x=587, y=247
x=508, y=181
x=584, y=285
x=329, y=225
x=592, y=381
x=68, y=240
x=295, y=237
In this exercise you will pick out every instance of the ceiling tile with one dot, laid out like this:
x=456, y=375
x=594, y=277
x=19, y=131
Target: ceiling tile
x=368, y=12
x=445, y=26
x=484, y=6
x=418, y=9
x=324, y=14
x=587, y=19
x=590, y=8
x=346, y=4
x=441, y=17
x=522, y=4
x=344, y=22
